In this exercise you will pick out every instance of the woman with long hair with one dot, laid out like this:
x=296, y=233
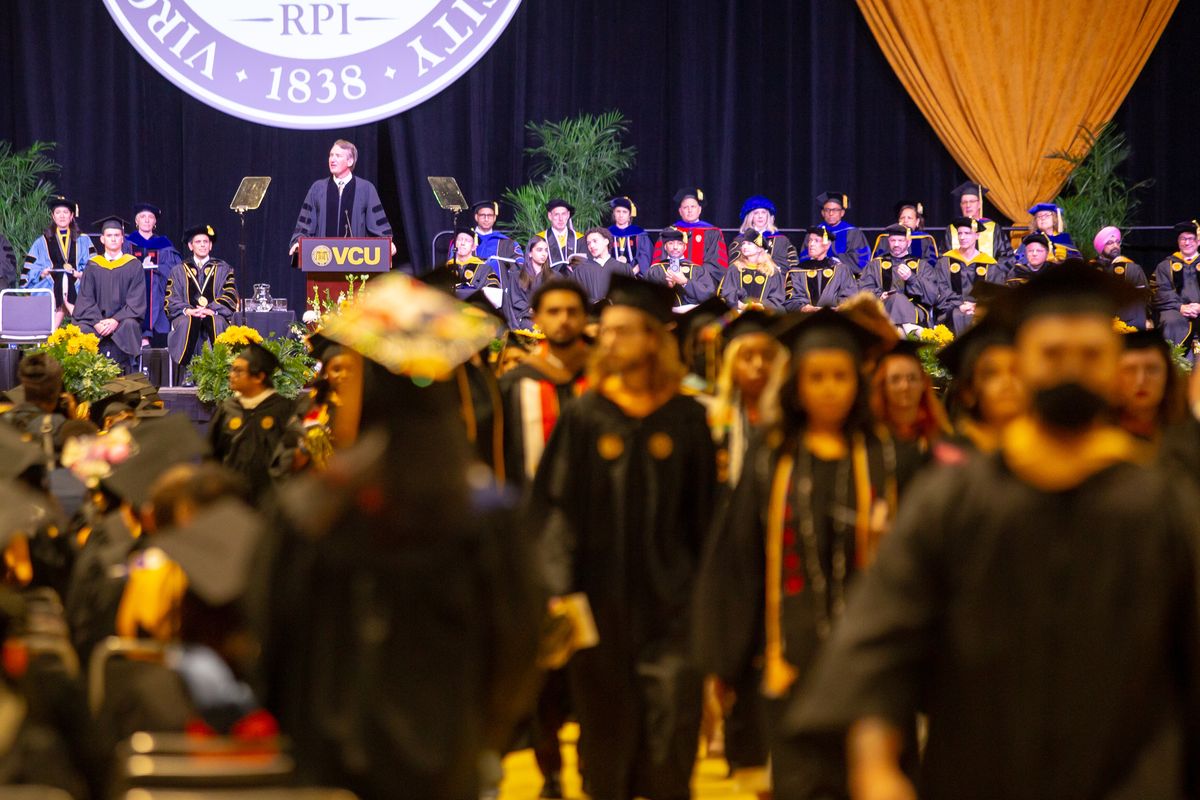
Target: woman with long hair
x=754, y=279
x=1152, y=395
x=524, y=279
x=814, y=498
x=57, y=258
x=985, y=393
x=906, y=407
x=758, y=216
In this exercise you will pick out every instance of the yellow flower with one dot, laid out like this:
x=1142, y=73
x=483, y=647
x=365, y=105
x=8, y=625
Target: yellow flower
x=89, y=342
x=1120, y=327
x=943, y=335
x=73, y=346
x=239, y=335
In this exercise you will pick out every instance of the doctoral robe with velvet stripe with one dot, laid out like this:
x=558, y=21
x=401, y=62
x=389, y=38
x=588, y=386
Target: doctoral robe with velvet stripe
x=742, y=284
x=187, y=284
x=164, y=257
x=826, y=283
x=323, y=213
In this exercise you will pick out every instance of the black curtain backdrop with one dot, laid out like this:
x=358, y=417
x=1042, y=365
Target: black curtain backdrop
x=740, y=97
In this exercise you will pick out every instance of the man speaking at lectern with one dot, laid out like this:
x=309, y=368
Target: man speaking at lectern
x=341, y=205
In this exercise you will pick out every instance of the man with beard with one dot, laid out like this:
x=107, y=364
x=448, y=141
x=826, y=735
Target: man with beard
x=1109, y=258
x=534, y=395
x=1039, y=604
x=622, y=497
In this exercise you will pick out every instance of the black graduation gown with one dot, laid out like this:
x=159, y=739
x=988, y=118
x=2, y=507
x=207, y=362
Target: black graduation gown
x=595, y=277
x=244, y=439
x=532, y=403
x=824, y=283
x=1052, y=637
x=1134, y=315
x=623, y=504
x=113, y=290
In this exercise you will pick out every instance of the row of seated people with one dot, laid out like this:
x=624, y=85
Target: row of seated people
x=136, y=290
x=919, y=285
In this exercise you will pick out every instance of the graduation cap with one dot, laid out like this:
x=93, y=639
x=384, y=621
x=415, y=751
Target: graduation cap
x=19, y=451
x=1147, y=340
x=1072, y=287
x=752, y=320
x=968, y=188
x=121, y=395
x=757, y=202
x=897, y=230
x=693, y=192
x=22, y=511
x=463, y=230
x=443, y=278
x=216, y=550
x=111, y=221
x=477, y=299
x=833, y=197
x=700, y=315
x=670, y=235
x=824, y=329
x=1037, y=238
x=915, y=205
x=259, y=359
x=58, y=201
x=1190, y=226
x=959, y=357
x=492, y=204
x=158, y=444
x=193, y=232
x=153, y=209
x=820, y=231
x=967, y=222
x=754, y=237
x=558, y=203
x=625, y=203
x=907, y=347
x=654, y=299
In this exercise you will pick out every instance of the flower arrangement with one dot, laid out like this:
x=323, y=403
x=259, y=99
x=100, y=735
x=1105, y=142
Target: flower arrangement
x=933, y=340
x=85, y=369
x=209, y=370
x=91, y=458
x=329, y=305
x=1120, y=327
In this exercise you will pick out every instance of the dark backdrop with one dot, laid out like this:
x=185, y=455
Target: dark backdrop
x=739, y=97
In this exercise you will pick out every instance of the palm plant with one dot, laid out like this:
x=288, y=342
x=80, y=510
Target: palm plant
x=24, y=191
x=579, y=159
x=1095, y=195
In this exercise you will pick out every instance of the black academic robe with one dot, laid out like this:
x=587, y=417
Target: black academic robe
x=743, y=283
x=782, y=251
x=472, y=275
x=826, y=283
x=8, y=264
x=623, y=504
x=518, y=292
x=164, y=257
x=185, y=288
x=595, y=277
x=560, y=254
x=906, y=301
x=1135, y=315
x=701, y=285
x=244, y=439
x=357, y=212
x=113, y=290
x=1051, y=637
x=482, y=413
x=955, y=276
x=534, y=394
x=1176, y=282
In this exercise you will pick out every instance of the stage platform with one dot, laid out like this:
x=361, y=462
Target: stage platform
x=183, y=400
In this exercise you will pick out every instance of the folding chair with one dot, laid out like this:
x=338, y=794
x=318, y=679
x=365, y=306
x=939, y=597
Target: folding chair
x=26, y=315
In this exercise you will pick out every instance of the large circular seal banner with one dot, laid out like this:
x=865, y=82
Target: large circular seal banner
x=312, y=65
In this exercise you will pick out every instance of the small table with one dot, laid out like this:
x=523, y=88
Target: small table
x=268, y=323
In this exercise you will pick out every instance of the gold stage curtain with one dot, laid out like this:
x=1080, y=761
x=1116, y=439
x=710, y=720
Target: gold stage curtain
x=1003, y=84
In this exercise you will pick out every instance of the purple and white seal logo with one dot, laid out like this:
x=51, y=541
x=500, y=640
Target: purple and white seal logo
x=312, y=64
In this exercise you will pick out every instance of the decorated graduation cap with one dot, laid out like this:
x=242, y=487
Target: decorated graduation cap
x=111, y=221
x=959, y=357
x=967, y=222
x=915, y=205
x=156, y=446
x=841, y=198
x=1037, y=238
x=153, y=209
x=216, y=550
x=824, y=329
x=58, y=201
x=492, y=204
x=1072, y=287
x=206, y=230
x=560, y=203
x=756, y=202
x=625, y=203
x=971, y=188
x=670, y=235
x=694, y=192
x=820, y=231
x=654, y=299
x=1191, y=226
x=410, y=328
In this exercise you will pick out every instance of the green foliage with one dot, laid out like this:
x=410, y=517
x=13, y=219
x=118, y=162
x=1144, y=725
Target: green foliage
x=85, y=369
x=579, y=159
x=24, y=191
x=209, y=370
x=1179, y=356
x=1095, y=195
